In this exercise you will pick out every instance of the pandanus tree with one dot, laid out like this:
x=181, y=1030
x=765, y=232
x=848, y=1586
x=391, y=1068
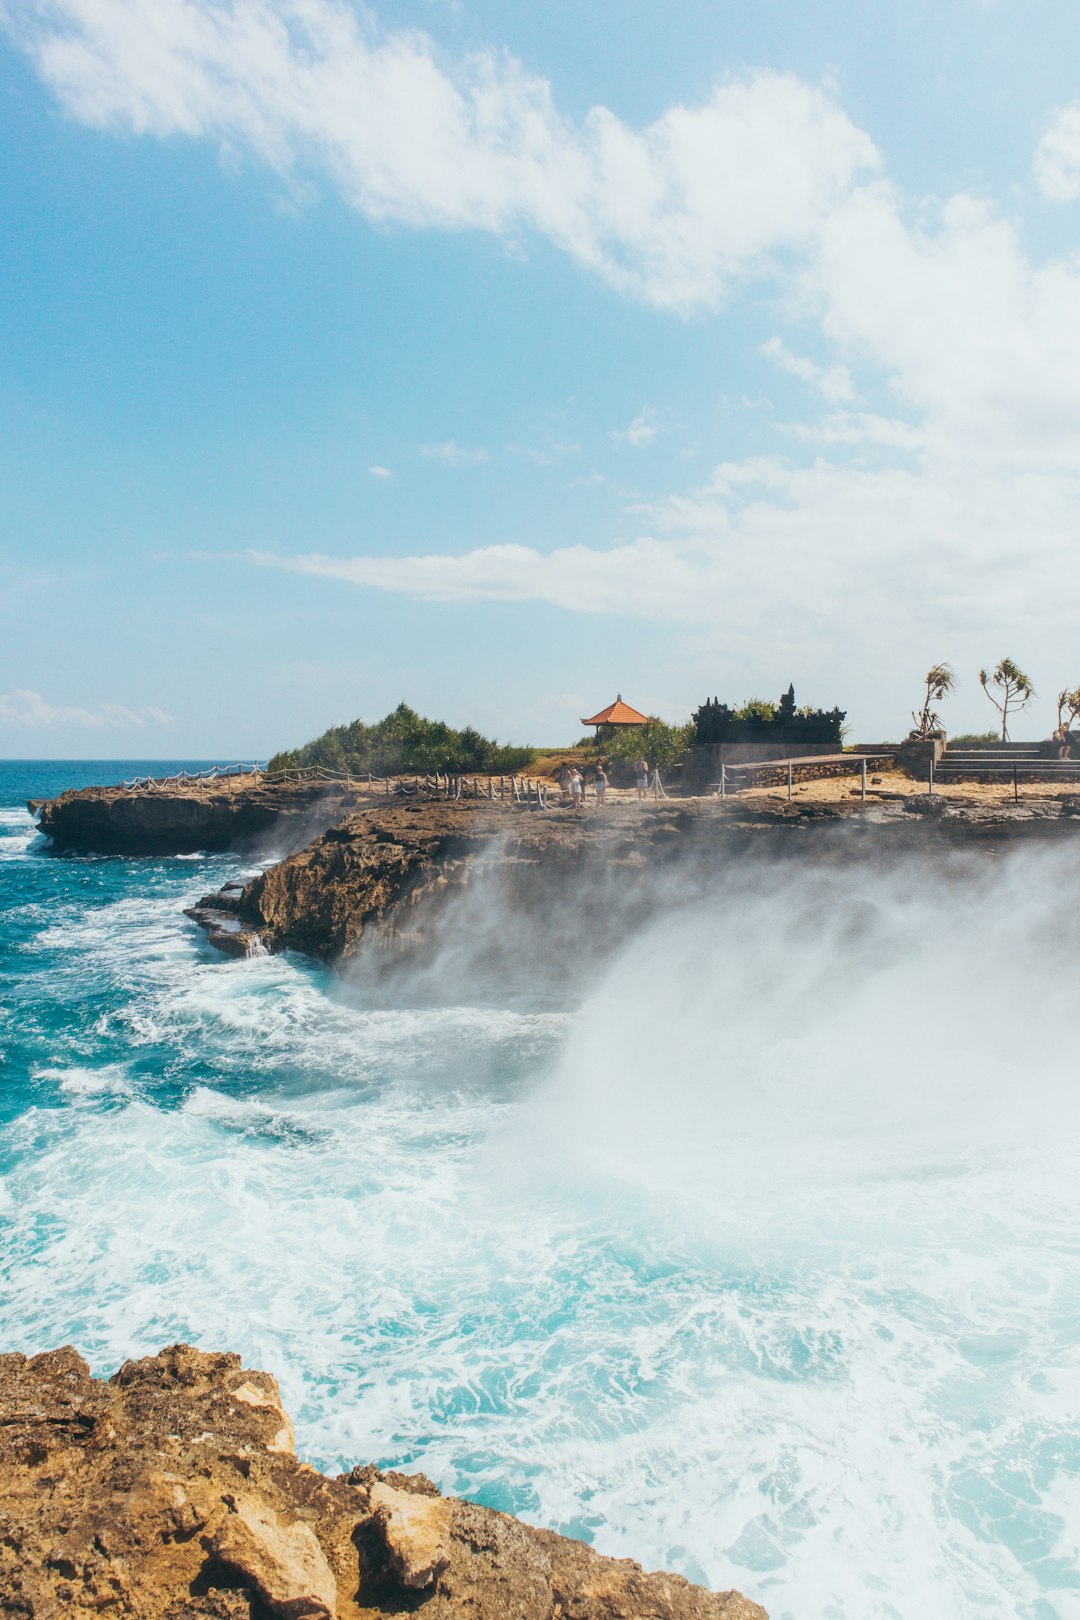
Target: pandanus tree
x=1012, y=689
x=940, y=681
x=1068, y=711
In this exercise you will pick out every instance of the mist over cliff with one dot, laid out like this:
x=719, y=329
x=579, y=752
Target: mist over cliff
x=751, y=1238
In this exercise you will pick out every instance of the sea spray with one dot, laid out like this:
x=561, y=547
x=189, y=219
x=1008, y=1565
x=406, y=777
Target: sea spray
x=761, y=1263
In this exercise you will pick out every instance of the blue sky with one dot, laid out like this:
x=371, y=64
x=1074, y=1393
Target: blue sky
x=503, y=358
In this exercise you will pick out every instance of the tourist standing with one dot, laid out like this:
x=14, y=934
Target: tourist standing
x=642, y=778
x=600, y=783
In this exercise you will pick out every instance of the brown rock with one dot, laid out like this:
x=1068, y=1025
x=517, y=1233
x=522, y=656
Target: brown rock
x=170, y=1493
x=282, y=1562
x=415, y=1530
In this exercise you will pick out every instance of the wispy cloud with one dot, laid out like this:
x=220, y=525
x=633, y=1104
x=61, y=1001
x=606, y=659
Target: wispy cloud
x=642, y=429
x=380, y=472
x=832, y=382
x=454, y=455
x=670, y=213
x=26, y=708
x=1057, y=156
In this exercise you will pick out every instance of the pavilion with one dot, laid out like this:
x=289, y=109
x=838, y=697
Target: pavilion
x=617, y=715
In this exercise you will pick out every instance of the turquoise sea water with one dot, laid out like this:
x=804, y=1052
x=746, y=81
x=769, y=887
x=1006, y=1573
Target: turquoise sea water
x=759, y=1261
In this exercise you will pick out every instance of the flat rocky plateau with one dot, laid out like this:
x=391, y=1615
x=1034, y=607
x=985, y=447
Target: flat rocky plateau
x=172, y=1492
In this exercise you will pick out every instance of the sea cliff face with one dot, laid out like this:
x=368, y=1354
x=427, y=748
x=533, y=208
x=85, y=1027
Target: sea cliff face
x=403, y=884
x=172, y=1492
x=179, y=819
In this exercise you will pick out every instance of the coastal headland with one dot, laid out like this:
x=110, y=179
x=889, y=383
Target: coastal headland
x=356, y=870
x=181, y=818
x=173, y=1492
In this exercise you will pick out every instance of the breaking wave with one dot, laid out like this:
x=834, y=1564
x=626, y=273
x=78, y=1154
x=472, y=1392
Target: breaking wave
x=760, y=1264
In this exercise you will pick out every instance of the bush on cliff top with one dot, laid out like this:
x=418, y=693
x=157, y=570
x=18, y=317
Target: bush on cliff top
x=404, y=741
x=662, y=745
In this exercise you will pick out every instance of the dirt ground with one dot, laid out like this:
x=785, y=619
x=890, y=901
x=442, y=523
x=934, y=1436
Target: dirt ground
x=883, y=784
x=888, y=784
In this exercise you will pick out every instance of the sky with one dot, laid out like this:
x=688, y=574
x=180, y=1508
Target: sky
x=502, y=358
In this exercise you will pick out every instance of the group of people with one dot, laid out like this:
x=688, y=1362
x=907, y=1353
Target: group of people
x=573, y=786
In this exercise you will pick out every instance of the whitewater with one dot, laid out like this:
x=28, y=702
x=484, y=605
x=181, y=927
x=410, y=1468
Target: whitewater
x=757, y=1259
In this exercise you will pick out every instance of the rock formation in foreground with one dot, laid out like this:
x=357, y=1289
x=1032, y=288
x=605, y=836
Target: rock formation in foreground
x=172, y=1492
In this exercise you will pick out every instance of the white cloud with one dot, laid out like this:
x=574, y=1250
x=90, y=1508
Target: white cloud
x=832, y=382
x=453, y=455
x=380, y=472
x=25, y=708
x=642, y=430
x=973, y=339
x=870, y=566
x=954, y=500
x=1057, y=156
x=670, y=213
x=860, y=427
x=946, y=517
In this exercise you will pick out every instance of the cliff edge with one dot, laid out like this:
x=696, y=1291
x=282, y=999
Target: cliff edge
x=396, y=883
x=172, y=1492
x=179, y=819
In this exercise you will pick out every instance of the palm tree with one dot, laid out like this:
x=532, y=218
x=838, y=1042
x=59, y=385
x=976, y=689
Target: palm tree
x=1014, y=686
x=940, y=681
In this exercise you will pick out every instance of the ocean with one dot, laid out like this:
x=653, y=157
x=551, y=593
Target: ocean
x=757, y=1258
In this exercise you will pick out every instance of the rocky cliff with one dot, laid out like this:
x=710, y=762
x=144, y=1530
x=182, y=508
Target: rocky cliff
x=492, y=886
x=172, y=1492
x=179, y=819
x=379, y=876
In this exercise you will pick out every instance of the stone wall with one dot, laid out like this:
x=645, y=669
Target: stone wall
x=701, y=764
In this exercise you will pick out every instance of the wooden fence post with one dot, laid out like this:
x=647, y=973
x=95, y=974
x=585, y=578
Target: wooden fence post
x=789, y=781
x=864, y=778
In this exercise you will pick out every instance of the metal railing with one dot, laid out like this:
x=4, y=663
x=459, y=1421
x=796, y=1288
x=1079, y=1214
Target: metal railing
x=788, y=771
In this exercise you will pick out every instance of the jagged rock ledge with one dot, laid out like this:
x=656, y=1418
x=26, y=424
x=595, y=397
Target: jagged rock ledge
x=382, y=880
x=173, y=1492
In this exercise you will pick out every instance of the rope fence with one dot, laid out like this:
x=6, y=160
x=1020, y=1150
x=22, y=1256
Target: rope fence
x=440, y=784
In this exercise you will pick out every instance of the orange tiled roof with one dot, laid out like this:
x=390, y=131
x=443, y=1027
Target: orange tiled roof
x=617, y=714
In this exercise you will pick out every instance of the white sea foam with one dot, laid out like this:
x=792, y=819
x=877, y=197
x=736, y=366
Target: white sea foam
x=109, y=1080
x=18, y=832
x=763, y=1267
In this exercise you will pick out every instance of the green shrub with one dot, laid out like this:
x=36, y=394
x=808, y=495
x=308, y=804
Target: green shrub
x=662, y=745
x=404, y=741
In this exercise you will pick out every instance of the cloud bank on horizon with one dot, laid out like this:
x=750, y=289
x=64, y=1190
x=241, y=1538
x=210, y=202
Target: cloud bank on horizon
x=29, y=710
x=933, y=472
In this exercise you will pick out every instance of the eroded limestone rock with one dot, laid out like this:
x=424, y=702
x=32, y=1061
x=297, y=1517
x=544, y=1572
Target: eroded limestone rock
x=167, y=1493
x=415, y=1530
x=282, y=1562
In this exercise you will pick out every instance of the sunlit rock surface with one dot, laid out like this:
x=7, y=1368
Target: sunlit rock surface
x=175, y=820
x=172, y=1492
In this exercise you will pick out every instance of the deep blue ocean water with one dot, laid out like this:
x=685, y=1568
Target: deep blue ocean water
x=759, y=1262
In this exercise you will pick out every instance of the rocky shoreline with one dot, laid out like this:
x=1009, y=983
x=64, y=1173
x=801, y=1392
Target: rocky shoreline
x=396, y=880
x=178, y=820
x=172, y=1491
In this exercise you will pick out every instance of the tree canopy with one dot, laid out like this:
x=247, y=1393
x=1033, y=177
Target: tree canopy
x=404, y=741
